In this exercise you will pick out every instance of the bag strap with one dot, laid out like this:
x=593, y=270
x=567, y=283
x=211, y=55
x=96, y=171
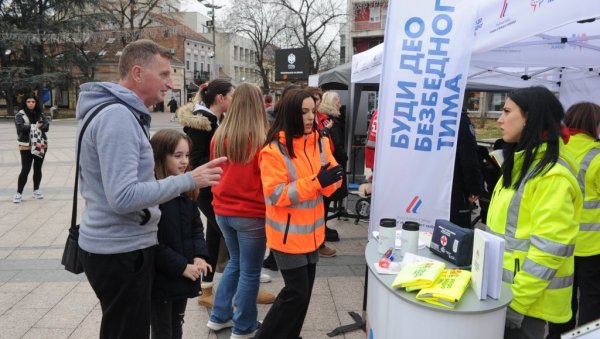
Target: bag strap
x=83, y=128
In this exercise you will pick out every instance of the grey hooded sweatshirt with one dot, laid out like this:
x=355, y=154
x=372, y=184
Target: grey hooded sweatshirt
x=116, y=176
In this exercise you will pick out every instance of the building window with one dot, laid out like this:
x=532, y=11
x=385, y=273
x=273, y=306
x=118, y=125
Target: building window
x=375, y=14
x=187, y=65
x=496, y=102
x=195, y=66
x=235, y=52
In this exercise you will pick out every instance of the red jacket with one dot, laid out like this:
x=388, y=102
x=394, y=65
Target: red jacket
x=321, y=118
x=239, y=192
x=371, y=138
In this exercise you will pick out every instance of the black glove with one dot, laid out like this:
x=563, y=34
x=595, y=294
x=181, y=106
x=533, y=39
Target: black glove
x=327, y=177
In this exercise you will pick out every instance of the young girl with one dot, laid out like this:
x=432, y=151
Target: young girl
x=181, y=255
x=296, y=170
x=31, y=114
x=239, y=204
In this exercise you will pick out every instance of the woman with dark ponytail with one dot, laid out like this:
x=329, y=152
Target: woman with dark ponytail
x=536, y=207
x=31, y=116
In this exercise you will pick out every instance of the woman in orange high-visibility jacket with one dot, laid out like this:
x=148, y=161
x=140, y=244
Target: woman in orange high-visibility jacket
x=297, y=170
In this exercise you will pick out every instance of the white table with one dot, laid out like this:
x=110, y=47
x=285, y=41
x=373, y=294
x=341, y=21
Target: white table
x=398, y=314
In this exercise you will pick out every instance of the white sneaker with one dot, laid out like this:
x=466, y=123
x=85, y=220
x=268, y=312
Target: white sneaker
x=243, y=336
x=17, y=199
x=219, y=326
x=37, y=194
x=265, y=278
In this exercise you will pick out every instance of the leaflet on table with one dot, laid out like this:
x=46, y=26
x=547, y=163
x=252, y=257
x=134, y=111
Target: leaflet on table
x=447, y=289
x=486, y=265
x=418, y=275
x=424, y=238
x=395, y=267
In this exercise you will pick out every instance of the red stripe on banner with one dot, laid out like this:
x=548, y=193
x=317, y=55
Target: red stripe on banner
x=412, y=203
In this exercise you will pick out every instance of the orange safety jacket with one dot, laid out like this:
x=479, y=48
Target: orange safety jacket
x=295, y=221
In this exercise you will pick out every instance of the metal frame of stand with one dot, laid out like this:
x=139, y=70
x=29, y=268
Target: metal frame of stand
x=359, y=322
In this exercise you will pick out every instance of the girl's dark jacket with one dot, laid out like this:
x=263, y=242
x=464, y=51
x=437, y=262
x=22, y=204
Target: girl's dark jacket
x=23, y=122
x=180, y=240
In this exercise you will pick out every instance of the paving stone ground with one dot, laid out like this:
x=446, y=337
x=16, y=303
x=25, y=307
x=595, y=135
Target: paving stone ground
x=38, y=299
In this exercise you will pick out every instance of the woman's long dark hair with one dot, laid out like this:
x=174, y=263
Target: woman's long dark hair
x=289, y=119
x=37, y=110
x=544, y=113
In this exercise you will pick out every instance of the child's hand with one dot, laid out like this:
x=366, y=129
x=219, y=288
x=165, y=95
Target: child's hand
x=192, y=272
x=202, y=265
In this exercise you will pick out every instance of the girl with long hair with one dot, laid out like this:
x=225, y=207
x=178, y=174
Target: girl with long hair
x=535, y=207
x=239, y=206
x=297, y=170
x=30, y=116
x=181, y=255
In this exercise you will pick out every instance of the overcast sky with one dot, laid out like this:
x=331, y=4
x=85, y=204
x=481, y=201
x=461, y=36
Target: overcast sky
x=195, y=6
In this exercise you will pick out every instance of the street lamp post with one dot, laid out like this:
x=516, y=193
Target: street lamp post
x=213, y=7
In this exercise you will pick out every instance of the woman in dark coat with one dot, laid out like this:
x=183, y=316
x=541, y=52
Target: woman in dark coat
x=30, y=115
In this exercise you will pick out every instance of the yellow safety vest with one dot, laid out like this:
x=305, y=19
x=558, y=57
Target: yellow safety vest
x=539, y=222
x=587, y=152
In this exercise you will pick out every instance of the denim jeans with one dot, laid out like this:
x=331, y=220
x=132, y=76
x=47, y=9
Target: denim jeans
x=246, y=242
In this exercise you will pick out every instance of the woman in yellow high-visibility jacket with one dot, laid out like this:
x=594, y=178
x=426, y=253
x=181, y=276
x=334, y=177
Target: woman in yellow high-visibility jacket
x=297, y=170
x=536, y=207
x=583, y=121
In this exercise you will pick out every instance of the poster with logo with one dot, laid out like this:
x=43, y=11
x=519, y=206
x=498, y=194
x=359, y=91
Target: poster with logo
x=425, y=67
x=292, y=64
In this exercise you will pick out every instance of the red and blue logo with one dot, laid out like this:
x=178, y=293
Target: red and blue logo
x=503, y=10
x=414, y=205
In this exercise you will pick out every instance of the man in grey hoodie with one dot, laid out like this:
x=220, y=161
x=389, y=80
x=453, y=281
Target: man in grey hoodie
x=118, y=230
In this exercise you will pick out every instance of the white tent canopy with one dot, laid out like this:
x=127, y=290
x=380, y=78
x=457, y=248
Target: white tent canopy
x=551, y=49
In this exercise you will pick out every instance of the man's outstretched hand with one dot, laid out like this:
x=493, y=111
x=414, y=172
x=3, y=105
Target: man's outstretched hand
x=208, y=174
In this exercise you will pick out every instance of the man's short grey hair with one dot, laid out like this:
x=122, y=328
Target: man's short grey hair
x=140, y=52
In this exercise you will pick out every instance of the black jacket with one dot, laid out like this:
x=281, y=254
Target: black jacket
x=23, y=122
x=180, y=240
x=337, y=133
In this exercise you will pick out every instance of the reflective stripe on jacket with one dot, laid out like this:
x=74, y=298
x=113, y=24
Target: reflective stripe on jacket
x=587, y=152
x=293, y=195
x=539, y=223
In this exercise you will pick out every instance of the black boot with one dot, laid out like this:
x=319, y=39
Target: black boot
x=270, y=263
x=331, y=235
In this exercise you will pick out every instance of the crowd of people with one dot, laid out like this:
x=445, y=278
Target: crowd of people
x=265, y=175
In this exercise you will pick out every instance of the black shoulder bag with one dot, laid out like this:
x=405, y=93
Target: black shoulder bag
x=70, y=257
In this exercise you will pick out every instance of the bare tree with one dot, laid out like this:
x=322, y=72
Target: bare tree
x=310, y=22
x=261, y=23
x=133, y=16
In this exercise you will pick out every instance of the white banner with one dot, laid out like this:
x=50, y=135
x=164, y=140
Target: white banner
x=425, y=67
